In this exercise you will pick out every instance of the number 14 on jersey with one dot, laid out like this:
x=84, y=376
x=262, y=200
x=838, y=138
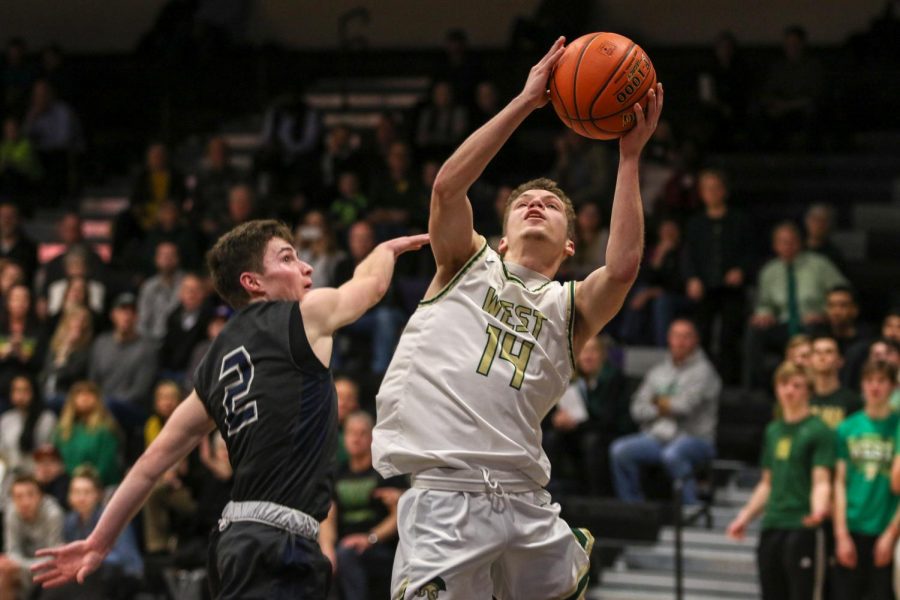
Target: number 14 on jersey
x=506, y=341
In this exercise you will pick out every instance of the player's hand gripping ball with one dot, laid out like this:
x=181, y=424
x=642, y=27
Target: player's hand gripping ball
x=596, y=83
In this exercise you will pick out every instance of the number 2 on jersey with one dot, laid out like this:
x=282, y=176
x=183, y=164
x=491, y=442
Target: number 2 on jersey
x=239, y=413
x=518, y=360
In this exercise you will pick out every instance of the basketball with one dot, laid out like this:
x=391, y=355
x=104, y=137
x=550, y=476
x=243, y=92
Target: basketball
x=596, y=83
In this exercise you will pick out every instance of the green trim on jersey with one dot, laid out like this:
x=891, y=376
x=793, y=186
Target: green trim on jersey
x=510, y=277
x=446, y=289
x=571, y=324
x=586, y=541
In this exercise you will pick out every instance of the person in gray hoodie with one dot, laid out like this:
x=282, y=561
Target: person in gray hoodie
x=676, y=407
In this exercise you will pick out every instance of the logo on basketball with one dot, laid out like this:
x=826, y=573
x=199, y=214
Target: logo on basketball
x=607, y=48
x=635, y=77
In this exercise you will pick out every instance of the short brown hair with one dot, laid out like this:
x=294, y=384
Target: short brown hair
x=87, y=471
x=242, y=249
x=788, y=370
x=543, y=183
x=25, y=478
x=719, y=174
x=879, y=367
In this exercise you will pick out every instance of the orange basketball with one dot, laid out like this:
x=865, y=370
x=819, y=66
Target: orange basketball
x=596, y=83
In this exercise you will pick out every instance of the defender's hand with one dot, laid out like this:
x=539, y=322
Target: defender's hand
x=536, y=91
x=72, y=562
x=406, y=243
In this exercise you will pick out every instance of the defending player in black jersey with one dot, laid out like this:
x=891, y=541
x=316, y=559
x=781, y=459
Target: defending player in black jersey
x=266, y=385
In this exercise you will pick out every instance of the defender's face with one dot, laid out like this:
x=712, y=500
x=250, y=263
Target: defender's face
x=537, y=215
x=285, y=276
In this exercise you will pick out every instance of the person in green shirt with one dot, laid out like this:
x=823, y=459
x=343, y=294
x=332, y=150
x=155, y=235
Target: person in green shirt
x=86, y=434
x=866, y=519
x=793, y=494
x=830, y=401
x=19, y=165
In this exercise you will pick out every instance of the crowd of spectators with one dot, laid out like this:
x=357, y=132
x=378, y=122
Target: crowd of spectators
x=96, y=354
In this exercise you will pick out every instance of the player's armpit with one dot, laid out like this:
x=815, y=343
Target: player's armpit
x=597, y=300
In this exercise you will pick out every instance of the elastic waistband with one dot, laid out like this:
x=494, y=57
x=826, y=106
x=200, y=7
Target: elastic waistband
x=474, y=480
x=274, y=515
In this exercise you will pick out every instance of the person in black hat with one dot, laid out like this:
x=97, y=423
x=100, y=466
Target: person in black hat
x=123, y=364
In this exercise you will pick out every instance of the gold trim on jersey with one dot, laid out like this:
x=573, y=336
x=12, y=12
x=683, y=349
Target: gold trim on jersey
x=450, y=284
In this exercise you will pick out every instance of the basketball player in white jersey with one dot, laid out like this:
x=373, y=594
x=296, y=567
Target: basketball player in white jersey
x=486, y=355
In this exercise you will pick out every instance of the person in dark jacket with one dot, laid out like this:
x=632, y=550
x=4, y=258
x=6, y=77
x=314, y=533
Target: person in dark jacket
x=717, y=260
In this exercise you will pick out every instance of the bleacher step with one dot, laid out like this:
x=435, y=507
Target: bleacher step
x=665, y=581
x=738, y=561
x=707, y=539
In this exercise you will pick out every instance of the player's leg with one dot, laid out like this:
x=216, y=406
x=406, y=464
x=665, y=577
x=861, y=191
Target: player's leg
x=545, y=558
x=259, y=562
x=448, y=541
x=627, y=455
x=213, y=580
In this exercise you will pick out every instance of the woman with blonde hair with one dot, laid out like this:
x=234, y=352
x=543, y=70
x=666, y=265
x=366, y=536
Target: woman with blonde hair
x=68, y=354
x=87, y=433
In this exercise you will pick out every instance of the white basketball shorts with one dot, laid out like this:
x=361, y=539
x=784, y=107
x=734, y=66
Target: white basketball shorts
x=465, y=545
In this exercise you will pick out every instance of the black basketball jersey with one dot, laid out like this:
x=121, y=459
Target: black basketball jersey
x=276, y=407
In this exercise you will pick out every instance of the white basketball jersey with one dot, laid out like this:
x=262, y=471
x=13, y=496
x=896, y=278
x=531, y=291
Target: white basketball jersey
x=476, y=370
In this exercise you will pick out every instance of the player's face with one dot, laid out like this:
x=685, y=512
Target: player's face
x=538, y=215
x=876, y=389
x=285, y=276
x=825, y=356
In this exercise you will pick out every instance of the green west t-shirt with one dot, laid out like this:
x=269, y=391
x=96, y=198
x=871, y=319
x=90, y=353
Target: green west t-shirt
x=867, y=447
x=790, y=452
x=836, y=406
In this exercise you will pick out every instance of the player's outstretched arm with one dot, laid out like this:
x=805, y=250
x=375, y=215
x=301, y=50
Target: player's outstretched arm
x=600, y=296
x=325, y=310
x=450, y=223
x=75, y=561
